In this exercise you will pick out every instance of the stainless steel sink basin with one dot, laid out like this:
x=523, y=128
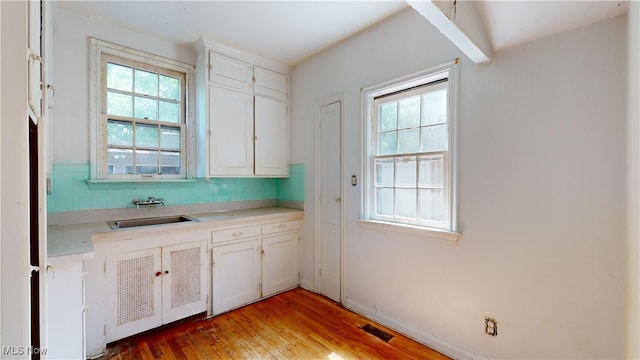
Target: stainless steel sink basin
x=123, y=224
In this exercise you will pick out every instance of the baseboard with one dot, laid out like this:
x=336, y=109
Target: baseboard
x=308, y=286
x=418, y=335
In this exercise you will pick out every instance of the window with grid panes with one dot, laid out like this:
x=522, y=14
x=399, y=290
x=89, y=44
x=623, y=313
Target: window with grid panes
x=410, y=162
x=143, y=115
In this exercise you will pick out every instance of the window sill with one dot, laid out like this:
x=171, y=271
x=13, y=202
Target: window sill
x=119, y=184
x=433, y=233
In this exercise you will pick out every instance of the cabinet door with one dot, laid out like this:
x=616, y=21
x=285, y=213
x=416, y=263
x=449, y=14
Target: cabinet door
x=227, y=71
x=183, y=280
x=271, y=84
x=280, y=263
x=236, y=275
x=134, y=292
x=231, y=132
x=65, y=317
x=272, y=137
x=35, y=62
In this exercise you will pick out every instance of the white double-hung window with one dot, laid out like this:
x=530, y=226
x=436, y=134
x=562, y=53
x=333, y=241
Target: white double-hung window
x=410, y=151
x=141, y=115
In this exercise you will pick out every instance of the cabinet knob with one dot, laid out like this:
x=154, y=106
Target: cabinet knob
x=166, y=271
x=158, y=273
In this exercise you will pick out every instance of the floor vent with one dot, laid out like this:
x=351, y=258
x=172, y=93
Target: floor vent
x=384, y=336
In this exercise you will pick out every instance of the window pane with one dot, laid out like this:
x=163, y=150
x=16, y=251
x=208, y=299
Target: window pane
x=387, y=143
x=388, y=116
x=119, y=77
x=169, y=112
x=406, y=172
x=147, y=136
x=119, y=159
x=434, y=138
x=146, y=83
x=169, y=88
x=146, y=162
x=170, y=138
x=409, y=114
x=431, y=204
x=119, y=133
x=146, y=108
x=119, y=104
x=434, y=107
x=384, y=201
x=384, y=172
x=406, y=203
x=431, y=171
x=409, y=141
x=170, y=162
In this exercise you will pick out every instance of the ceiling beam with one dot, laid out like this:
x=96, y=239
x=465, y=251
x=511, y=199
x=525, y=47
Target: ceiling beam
x=460, y=24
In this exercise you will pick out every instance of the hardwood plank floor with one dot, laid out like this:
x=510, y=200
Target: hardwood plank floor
x=296, y=324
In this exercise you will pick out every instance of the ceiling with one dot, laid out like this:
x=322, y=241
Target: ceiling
x=291, y=31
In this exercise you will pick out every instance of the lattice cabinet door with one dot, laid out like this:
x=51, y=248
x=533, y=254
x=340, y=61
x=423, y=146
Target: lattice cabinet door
x=184, y=286
x=134, y=292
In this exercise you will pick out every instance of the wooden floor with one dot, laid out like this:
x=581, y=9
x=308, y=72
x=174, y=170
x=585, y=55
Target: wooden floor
x=293, y=325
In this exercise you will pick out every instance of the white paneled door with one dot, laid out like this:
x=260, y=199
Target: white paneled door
x=329, y=199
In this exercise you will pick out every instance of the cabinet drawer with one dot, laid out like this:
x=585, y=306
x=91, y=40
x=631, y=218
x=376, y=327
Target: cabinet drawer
x=280, y=227
x=236, y=233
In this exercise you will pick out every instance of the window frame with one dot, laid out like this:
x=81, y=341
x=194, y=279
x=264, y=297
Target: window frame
x=405, y=84
x=100, y=52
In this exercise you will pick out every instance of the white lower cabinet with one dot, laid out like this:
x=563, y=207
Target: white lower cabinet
x=236, y=274
x=150, y=287
x=65, y=315
x=280, y=263
x=263, y=263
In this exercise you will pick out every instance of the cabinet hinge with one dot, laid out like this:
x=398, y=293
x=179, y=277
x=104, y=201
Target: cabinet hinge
x=213, y=264
x=104, y=267
x=105, y=330
x=262, y=252
x=255, y=138
x=320, y=272
x=259, y=287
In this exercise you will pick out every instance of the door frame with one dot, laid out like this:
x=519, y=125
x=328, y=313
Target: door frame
x=319, y=104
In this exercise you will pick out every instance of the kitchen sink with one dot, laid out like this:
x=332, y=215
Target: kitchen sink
x=123, y=224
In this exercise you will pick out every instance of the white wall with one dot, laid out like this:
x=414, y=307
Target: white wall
x=541, y=185
x=14, y=190
x=71, y=34
x=633, y=186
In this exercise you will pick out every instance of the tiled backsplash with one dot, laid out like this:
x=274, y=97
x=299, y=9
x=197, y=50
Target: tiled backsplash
x=71, y=192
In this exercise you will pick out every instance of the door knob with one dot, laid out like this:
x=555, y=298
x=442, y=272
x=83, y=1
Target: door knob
x=338, y=199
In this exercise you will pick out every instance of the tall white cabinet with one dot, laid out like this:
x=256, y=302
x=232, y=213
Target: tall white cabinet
x=242, y=113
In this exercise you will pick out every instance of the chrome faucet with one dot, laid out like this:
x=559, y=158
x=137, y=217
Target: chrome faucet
x=150, y=201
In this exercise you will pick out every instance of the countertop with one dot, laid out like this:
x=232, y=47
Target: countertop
x=71, y=242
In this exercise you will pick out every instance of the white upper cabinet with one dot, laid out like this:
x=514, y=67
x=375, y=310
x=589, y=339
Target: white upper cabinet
x=271, y=84
x=228, y=71
x=230, y=132
x=242, y=113
x=271, y=134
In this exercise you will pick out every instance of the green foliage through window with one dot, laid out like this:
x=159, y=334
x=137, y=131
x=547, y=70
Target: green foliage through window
x=144, y=114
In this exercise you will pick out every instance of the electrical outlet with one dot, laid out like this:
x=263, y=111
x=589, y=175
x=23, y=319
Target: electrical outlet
x=490, y=326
